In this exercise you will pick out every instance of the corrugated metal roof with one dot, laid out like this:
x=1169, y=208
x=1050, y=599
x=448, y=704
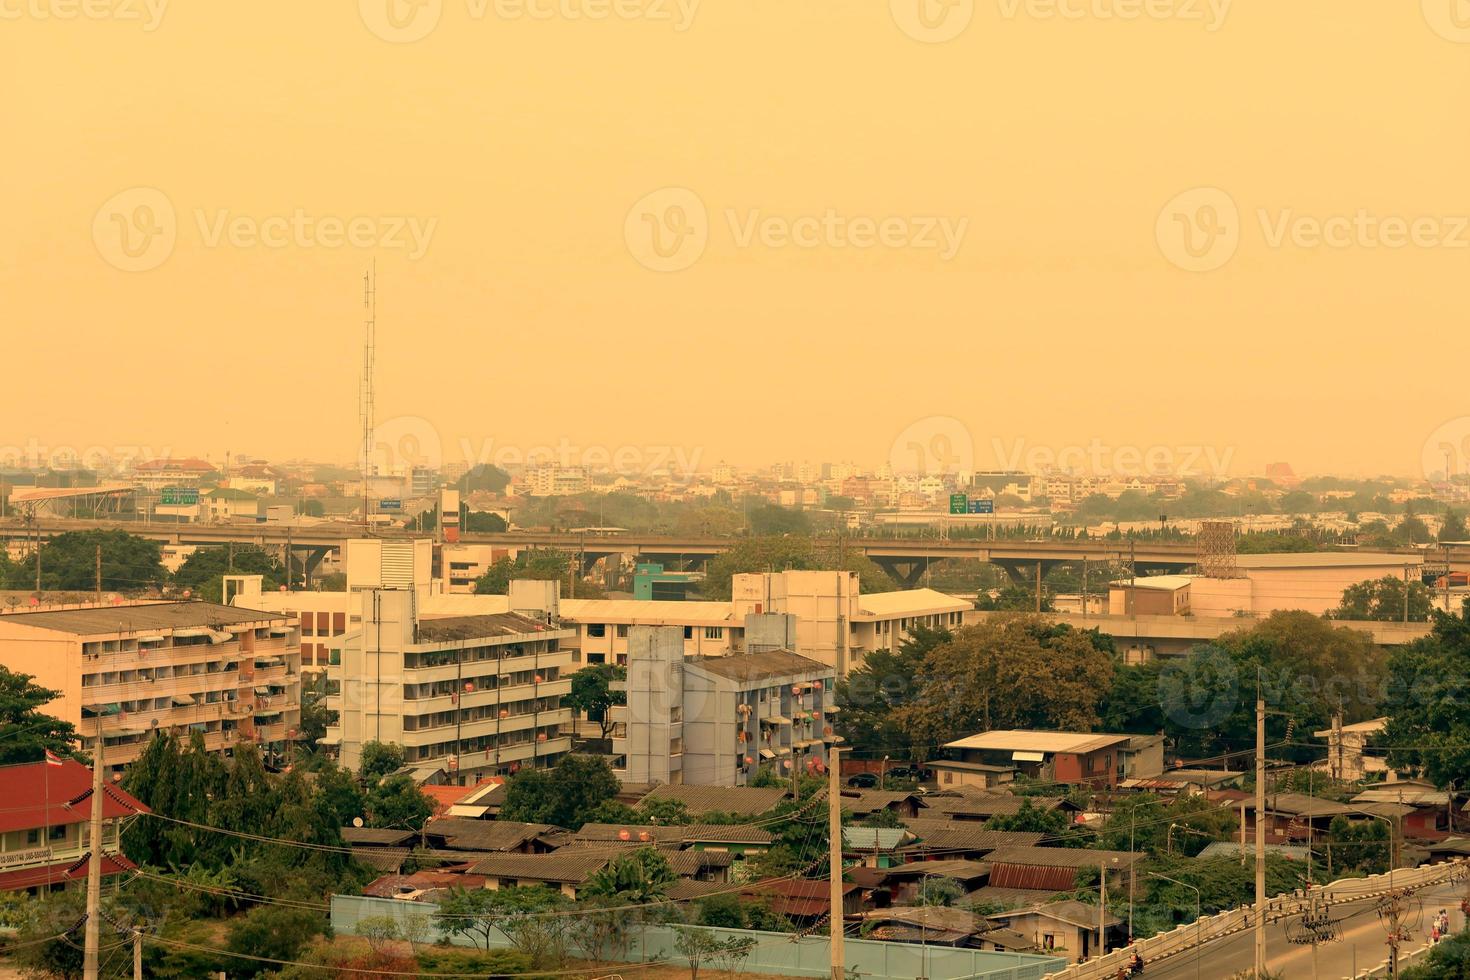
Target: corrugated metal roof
x=873, y=838
x=744, y=800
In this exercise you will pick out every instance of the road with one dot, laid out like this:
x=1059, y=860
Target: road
x=1362, y=942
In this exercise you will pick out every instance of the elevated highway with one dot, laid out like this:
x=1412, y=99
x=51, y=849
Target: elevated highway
x=906, y=559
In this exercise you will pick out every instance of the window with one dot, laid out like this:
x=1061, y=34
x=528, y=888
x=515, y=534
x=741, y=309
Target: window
x=714, y=632
x=33, y=836
x=598, y=630
x=689, y=632
x=56, y=833
x=622, y=631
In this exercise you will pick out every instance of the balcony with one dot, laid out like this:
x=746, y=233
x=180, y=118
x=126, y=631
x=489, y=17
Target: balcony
x=523, y=753
x=487, y=726
x=222, y=680
x=489, y=697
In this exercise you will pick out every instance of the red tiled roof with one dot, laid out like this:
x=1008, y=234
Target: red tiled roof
x=447, y=796
x=39, y=795
x=112, y=864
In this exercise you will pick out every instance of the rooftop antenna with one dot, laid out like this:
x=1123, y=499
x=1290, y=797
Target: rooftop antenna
x=365, y=393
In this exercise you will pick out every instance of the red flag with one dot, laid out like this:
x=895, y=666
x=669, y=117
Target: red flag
x=52, y=759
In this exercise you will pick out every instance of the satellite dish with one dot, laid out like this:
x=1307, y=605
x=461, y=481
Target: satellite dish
x=357, y=822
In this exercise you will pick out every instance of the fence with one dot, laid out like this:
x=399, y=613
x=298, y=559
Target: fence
x=774, y=953
x=1211, y=927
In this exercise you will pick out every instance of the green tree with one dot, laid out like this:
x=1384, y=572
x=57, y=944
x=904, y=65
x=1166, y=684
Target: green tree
x=483, y=477
x=1052, y=676
x=1361, y=846
x=379, y=759
x=774, y=519
x=871, y=694
x=541, y=564
x=1427, y=704
x=696, y=946
x=69, y=563
x=562, y=796
x=270, y=932
x=724, y=911
x=1453, y=527
x=1382, y=600
x=26, y=732
x=1032, y=819
x=591, y=695
x=396, y=802
x=203, y=572
x=641, y=877
x=314, y=714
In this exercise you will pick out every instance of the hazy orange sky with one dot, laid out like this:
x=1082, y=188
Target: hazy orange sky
x=756, y=230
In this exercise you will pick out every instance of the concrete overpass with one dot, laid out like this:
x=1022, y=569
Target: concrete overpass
x=905, y=559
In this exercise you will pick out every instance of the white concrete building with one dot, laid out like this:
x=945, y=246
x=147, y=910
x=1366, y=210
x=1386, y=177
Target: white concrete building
x=714, y=721
x=466, y=696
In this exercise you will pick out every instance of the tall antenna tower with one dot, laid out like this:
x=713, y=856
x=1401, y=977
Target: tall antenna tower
x=1215, y=546
x=365, y=386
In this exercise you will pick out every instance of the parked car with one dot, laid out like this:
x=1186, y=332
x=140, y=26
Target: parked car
x=863, y=780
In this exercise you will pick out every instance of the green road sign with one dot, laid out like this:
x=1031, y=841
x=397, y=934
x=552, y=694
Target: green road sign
x=958, y=503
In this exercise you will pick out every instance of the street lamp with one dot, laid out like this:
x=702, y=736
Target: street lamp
x=1198, y=949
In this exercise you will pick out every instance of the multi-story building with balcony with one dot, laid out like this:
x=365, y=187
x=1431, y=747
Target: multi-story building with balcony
x=228, y=673
x=45, y=830
x=714, y=721
x=465, y=696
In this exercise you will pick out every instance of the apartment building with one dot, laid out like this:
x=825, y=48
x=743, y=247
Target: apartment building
x=466, y=696
x=552, y=480
x=229, y=673
x=45, y=830
x=713, y=721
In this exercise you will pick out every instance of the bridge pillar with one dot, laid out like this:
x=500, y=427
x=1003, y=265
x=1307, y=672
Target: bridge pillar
x=905, y=571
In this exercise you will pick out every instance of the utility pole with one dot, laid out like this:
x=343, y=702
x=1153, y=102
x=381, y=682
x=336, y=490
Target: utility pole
x=1084, y=588
x=1260, y=837
x=137, y=954
x=1406, y=593
x=1337, y=773
x=91, y=942
x=99, y=574
x=1038, y=586
x=834, y=833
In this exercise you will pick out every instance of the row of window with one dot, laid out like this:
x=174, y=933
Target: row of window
x=152, y=674
x=512, y=709
x=480, y=682
x=598, y=631
x=482, y=743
